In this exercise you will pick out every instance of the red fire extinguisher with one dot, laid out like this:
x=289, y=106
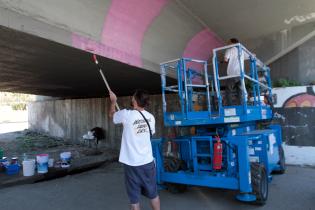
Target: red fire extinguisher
x=217, y=154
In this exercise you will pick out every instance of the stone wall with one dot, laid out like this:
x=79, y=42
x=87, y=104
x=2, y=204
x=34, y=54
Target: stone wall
x=72, y=118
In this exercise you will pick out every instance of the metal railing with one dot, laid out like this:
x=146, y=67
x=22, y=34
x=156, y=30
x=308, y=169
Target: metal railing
x=185, y=85
x=253, y=77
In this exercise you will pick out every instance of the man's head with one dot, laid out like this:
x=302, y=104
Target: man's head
x=233, y=41
x=140, y=99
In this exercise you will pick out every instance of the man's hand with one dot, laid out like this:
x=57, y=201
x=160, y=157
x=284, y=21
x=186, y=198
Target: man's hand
x=113, y=97
x=113, y=100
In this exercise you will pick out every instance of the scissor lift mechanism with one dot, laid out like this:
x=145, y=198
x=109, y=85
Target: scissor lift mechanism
x=250, y=150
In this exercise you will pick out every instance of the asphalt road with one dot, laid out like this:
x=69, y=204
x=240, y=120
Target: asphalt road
x=103, y=188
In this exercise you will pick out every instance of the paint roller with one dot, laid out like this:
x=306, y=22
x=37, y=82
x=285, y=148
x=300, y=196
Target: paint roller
x=103, y=76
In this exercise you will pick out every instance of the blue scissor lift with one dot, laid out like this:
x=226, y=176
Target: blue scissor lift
x=251, y=145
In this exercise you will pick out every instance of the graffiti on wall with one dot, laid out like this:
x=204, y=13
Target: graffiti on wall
x=294, y=110
x=288, y=97
x=300, y=18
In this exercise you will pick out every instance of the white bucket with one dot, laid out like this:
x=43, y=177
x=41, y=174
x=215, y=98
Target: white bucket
x=42, y=163
x=28, y=167
x=65, y=156
x=65, y=159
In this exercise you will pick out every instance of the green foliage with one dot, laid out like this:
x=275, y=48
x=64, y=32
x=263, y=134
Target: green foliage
x=32, y=141
x=7, y=98
x=19, y=106
x=285, y=83
x=312, y=83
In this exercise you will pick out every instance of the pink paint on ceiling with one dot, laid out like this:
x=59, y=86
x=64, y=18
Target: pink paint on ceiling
x=126, y=24
x=123, y=30
x=201, y=45
x=98, y=48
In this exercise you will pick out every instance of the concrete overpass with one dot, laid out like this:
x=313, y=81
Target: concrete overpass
x=45, y=45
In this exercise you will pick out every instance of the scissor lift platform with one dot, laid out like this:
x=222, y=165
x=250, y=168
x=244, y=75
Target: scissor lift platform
x=250, y=151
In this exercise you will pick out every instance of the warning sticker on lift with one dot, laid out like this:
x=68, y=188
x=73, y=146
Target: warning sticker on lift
x=272, y=141
x=251, y=151
x=231, y=119
x=249, y=178
x=264, y=114
x=178, y=122
x=254, y=159
x=230, y=112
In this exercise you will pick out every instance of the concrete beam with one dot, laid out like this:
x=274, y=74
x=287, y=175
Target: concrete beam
x=291, y=47
x=30, y=64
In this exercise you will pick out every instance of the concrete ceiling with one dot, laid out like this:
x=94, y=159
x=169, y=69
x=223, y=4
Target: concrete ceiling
x=249, y=19
x=140, y=34
x=30, y=64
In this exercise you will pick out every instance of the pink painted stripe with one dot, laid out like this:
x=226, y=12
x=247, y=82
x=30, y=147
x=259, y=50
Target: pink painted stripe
x=201, y=45
x=98, y=48
x=126, y=24
x=123, y=30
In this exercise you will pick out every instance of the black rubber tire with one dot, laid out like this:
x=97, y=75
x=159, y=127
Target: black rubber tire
x=283, y=167
x=172, y=164
x=176, y=188
x=259, y=183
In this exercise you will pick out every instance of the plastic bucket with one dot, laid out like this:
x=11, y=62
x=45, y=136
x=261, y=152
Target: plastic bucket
x=28, y=167
x=12, y=169
x=42, y=163
x=65, y=159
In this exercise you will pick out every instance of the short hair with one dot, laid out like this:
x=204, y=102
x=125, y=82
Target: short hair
x=142, y=98
x=234, y=41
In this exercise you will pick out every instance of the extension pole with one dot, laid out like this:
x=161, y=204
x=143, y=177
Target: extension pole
x=104, y=78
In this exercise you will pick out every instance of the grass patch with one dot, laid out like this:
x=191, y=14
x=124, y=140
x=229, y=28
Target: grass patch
x=33, y=141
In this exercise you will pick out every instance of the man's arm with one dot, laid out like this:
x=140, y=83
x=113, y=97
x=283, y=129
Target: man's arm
x=227, y=55
x=113, y=101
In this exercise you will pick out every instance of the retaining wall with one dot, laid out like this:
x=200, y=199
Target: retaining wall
x=72, y=118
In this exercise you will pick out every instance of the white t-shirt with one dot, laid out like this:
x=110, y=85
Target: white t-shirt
x=234, y=65
x=135, y=147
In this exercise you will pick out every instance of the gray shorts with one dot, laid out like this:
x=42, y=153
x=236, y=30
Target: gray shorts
x=140, y=180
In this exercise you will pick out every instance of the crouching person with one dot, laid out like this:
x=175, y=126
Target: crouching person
x=136, y=151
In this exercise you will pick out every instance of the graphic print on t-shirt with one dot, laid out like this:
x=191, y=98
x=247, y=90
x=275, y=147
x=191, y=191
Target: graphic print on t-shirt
x=140, y=126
